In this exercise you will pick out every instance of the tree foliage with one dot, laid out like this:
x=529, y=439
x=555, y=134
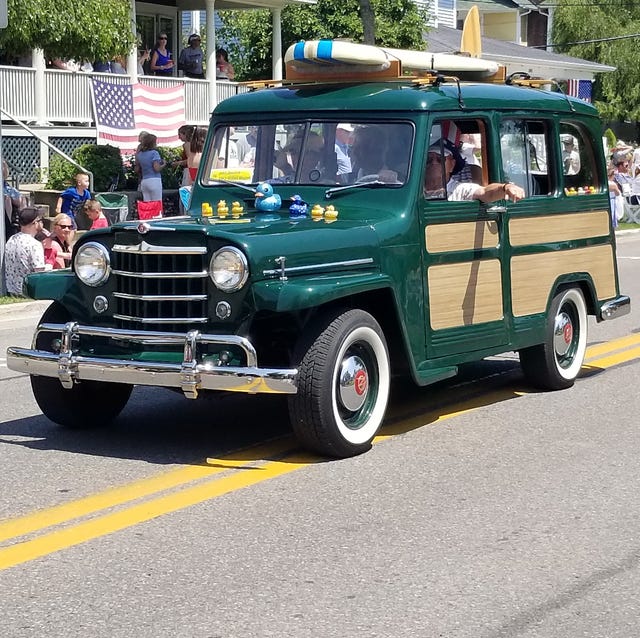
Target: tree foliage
x=87, y=30
x=398, y=23
x=616, y=94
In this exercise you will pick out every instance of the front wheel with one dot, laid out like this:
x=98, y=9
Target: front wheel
x=343, y=385
x=87, y=404
x=555, y=364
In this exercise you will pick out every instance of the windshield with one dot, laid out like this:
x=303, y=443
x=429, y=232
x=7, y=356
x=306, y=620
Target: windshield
x=321, y=153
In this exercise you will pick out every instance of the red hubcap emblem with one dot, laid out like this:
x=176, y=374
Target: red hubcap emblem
x=568, y=333
x=360, y=382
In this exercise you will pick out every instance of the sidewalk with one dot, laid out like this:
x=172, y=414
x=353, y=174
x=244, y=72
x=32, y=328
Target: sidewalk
x=23, y=310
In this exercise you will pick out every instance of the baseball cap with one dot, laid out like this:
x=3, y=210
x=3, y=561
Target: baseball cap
x=28, y=215
x=345, y=126
x=438, y=148
x=567, y=139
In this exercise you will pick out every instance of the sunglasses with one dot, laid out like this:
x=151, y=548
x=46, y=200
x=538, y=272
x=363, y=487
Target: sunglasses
x=65, y=226
x=162, y=38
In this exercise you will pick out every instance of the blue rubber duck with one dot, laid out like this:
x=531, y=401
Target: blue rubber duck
x=266, y=199
x=298, y=208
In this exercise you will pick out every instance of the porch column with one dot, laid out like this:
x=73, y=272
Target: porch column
x=276, y=44
x=132, y=59
x=211, y=53
x=40, y=91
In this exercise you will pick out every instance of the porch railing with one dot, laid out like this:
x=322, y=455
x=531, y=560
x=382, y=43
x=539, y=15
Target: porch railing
x=68, y=94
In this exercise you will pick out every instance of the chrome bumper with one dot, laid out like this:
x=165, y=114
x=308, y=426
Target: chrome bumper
x=190, y=375
x=617, y=307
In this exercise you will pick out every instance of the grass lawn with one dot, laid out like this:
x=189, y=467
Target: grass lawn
x=8, y=300
x=627, y=226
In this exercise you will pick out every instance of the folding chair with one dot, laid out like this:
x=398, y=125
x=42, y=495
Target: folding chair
x=632, y=210
x=115, y=206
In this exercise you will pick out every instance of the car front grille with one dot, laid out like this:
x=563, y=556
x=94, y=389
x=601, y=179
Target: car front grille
x=159, y=287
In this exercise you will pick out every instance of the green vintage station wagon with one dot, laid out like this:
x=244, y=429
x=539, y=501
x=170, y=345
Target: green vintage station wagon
x=314, y=261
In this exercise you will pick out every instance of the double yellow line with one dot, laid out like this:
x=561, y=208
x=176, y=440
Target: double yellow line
x=195, y=484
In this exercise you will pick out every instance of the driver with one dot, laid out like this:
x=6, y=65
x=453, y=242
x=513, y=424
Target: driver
x=369, y=152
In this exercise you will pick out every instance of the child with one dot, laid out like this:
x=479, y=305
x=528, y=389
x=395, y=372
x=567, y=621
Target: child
x=74, y=197
x=93, y=210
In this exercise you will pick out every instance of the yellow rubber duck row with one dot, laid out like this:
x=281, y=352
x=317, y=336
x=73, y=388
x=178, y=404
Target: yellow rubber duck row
x=330, y=214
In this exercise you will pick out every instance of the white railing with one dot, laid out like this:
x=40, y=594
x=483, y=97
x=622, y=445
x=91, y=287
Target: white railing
x=68, y=94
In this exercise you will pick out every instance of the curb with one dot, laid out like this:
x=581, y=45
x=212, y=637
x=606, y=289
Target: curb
x=20, y=309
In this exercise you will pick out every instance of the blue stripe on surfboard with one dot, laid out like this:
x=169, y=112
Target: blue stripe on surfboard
x=324, y=50
x=298, y=51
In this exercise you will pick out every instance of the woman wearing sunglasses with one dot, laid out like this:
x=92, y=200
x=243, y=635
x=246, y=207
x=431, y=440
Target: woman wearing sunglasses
x=57, y=247
x=161, y=62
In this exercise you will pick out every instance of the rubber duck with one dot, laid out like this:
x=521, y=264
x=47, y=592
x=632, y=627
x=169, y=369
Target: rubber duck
x=236, y=209
x=223, y=209
x=298, y=208
x=330, y=214
x=266, y=199
x=317, y=212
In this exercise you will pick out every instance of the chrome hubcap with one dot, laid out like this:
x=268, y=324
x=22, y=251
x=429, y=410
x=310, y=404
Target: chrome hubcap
x=563, y=334
x=353, y=383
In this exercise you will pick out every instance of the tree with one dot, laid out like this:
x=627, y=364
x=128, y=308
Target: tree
x=87, y=30
x=616, y=94
x=247, y=34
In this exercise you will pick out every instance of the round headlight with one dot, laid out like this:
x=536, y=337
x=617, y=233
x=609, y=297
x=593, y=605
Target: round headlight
x=229, y=269
x=92, y=264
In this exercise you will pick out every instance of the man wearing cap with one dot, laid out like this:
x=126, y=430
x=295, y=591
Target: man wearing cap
x=441, y=163
x=570, y=157
x=23, y=253
x=344, y=139
x=190, y=60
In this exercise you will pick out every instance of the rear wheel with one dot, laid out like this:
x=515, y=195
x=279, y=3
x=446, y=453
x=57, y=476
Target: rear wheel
x=88, y=403
x=555, y=364
x=343, y=385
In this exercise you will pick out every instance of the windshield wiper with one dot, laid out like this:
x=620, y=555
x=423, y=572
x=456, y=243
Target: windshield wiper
x=238, y=184
x=373, y=184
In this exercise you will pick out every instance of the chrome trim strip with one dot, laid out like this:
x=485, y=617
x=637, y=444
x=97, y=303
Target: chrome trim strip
x=317, y=267
x=617, y=307
x=161, y=275
x=145, y=248
x=161, y=319
x=125, y=295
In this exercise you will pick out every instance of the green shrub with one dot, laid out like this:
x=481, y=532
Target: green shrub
x=105, y=162
x=611, y=138
x=171, y=176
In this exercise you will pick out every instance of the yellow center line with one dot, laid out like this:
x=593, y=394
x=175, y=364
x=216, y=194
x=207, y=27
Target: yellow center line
x=611, y=346
x=139, y=489
x=109, y=523
x=251, y=466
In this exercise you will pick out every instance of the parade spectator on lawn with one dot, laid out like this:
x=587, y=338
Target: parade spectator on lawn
x=57, y=247
x=149, y=164
x=73, y=198
x=24, y=254
x=93, y=210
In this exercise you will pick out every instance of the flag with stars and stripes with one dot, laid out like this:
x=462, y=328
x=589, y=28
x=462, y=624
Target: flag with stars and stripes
x=123, y=111
x=580, y=89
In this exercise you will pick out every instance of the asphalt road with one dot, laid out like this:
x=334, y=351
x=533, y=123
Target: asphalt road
x=484, y=510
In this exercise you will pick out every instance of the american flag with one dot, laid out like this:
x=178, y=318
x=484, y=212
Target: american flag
x=122, y=111
x=580, y=89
